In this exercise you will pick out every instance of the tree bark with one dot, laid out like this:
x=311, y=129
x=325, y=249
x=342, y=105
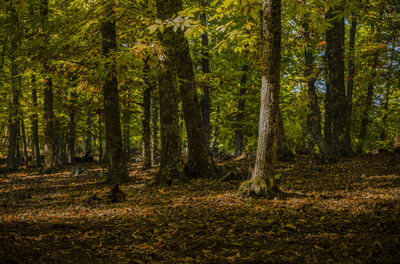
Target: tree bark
x=34, y=122
x=263, y=181
x=146, y=112
x=350, y=83
x=336, y=93
x=171, y=159
x=117, y=170
x=240, y=113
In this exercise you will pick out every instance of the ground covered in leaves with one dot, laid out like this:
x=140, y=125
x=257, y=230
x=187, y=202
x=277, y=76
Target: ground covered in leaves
x=347, y=212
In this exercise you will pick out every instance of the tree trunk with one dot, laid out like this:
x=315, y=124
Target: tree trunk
x=240, y=113
x=14, y=109
x=199, y=163
x=205, y=97
x=154, y=154
x=368, y=105
x=314, y=118
x=283, y=152
x=34, y=121
x=100, y=139
x=71, y=129
x=146, y=112
x=117, y=170
x=214, y=143
x=171, y=159
x=126, y=115
x=50, y=152
x=88, y=140
x=336, y=93
x=263, y=181
x=24, y=143
x=350, y=83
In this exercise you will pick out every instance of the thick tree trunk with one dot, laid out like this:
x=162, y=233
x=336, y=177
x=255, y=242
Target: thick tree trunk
x=336, y=92
x=314, y=118
x=34, y=121
x=350, y=84
x=263, y=181
x=240, y=113
x=117, y=170
x=154, y=153
x=13, y=112
x=146, y=112
x=50, y=151
x=171, y=159
x=205, y=101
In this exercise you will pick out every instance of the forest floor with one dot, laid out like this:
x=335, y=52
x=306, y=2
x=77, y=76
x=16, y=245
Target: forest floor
x=348, y=212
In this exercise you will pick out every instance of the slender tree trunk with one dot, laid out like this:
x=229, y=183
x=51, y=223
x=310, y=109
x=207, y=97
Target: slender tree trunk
x=314, y=118
x=100, y=139
x=14, y=108
x=34, y=121
x=71, y=129
x=263, y=181
x=350, y=83
x=24, y=143
x=117, y=170
x=171, y=159
x=154, y=154
x=88, y=140
x=336, y=91
x=282, y=150
x=126, y=113
x=385, y=110
x=240, y=113
x=146, y=112
x=214, y=143
x=368, y=105
x=205, y=101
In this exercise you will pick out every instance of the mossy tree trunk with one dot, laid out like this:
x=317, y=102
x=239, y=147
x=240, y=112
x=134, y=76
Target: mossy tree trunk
x=117, y=170
x=263, y=182
x=171, y=159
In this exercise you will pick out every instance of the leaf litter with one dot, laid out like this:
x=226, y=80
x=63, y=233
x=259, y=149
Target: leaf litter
x=347, y=212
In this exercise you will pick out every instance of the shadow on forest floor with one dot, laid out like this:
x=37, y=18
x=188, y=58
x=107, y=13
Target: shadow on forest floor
x=348, y=212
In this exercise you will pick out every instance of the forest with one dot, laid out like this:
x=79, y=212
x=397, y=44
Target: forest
x=199, y=131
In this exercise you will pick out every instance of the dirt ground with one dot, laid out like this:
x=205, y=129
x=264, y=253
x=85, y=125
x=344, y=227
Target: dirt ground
x=347, y=212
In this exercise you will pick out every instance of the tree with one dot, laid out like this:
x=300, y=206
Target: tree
x=117, y=170
x=171, y=166
x=263, y=181
x=336, y=101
